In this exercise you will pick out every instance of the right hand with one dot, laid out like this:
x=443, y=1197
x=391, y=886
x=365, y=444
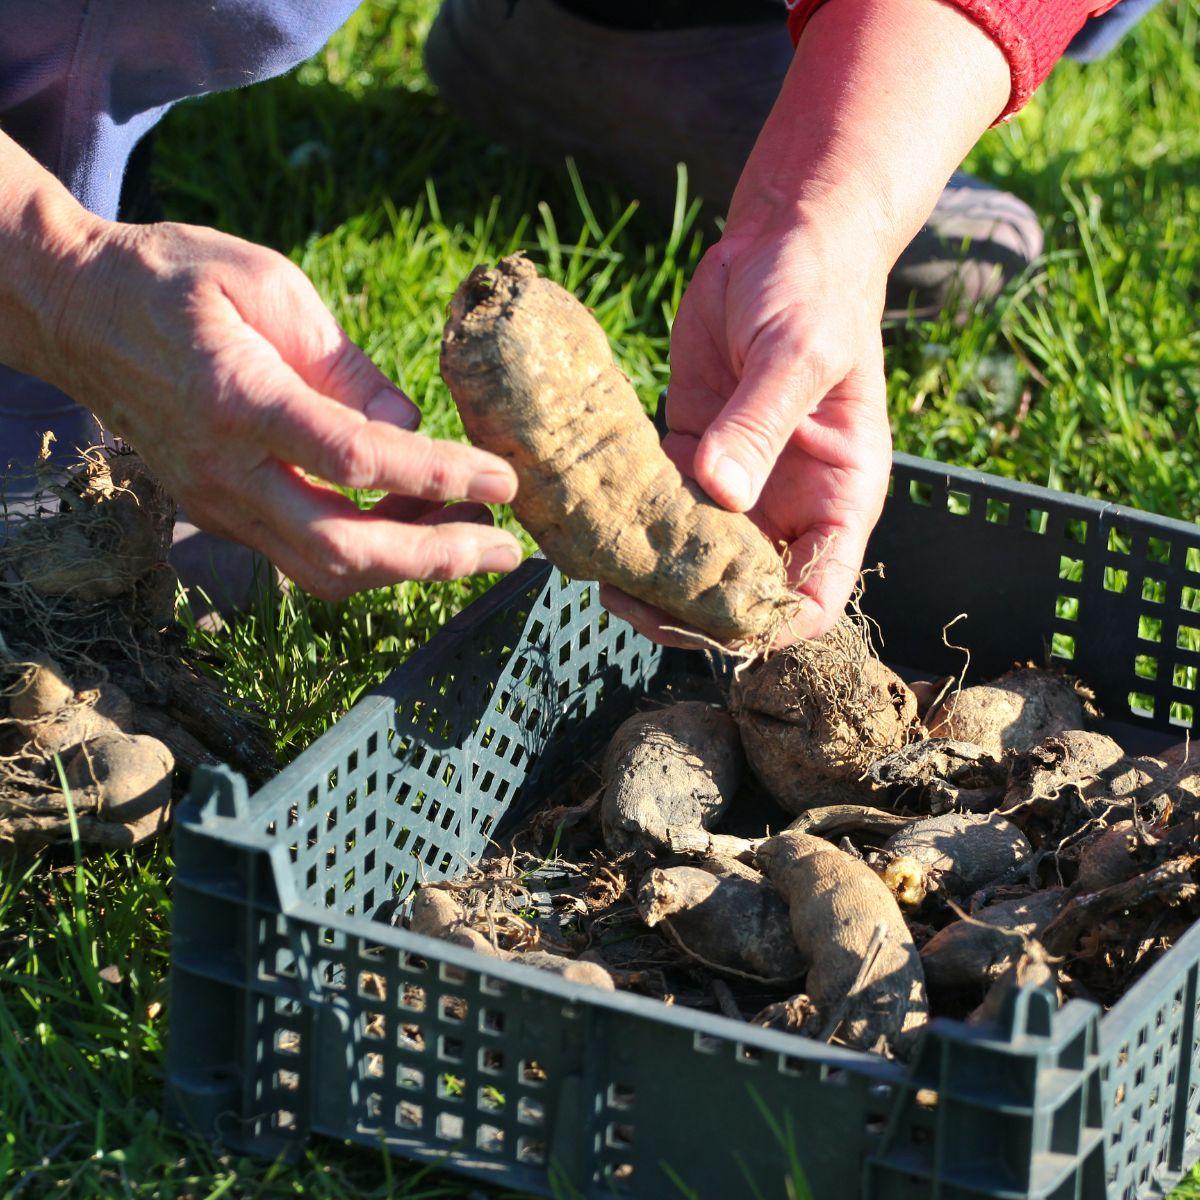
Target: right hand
x=216, y=360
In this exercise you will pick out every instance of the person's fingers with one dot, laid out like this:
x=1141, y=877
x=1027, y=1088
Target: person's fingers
x=680, y=448
x=280, y=303
x=780, y=383
x=340, y=445
x=331, y=548
x=825, y=561
x=347, y=375
x=823, y=566
x=403, y=508
x=430, y=512
x=458, y=514
x=691, y=408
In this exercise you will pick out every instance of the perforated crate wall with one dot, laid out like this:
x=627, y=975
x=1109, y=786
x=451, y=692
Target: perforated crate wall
x=294, y=1012
x=1108, y=592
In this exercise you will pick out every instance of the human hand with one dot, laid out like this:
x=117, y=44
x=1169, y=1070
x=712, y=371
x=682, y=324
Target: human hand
x=777, y=403
x=216, y=359
x=777, y=407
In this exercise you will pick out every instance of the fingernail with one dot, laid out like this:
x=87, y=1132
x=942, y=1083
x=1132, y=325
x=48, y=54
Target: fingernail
x=732, y=481
x=491, y=487
x=393, y=407
x=499, y=558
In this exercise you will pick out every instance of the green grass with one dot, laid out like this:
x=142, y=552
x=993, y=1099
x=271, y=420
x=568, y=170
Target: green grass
x=352, y=167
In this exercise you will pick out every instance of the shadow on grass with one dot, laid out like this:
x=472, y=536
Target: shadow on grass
x=289, y=160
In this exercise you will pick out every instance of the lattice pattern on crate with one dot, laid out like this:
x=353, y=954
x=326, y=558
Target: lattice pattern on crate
x=437, y=1056
x=758, y=1096
x=333, y=833
x=1135, y=592
x=280, y=1085
x=1151, y=585
x=1140, y=1088
x=361, y=1042
x=506, y=707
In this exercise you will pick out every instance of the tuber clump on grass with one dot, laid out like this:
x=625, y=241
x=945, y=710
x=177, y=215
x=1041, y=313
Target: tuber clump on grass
x=93, y=678
x=667, y=771
x=533, y=377
x=115, y=529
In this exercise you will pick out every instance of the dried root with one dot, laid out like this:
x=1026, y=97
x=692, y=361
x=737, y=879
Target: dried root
x=940, y=775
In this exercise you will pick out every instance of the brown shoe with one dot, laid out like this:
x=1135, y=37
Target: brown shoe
x=630, y=104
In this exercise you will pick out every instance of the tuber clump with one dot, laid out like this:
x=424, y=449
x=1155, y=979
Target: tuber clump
x=42, y=691
x=673, y=769
x=941, y=775
x=116, y=528
x=1072, y=759
x=815, y=716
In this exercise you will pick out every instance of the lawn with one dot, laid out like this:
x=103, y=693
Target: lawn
x=1085, y=377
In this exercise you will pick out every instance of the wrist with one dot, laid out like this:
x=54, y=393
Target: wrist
x=883, y=100
x=48, y=238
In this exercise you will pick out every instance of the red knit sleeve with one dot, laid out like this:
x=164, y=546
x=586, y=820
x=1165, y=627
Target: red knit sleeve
x=1032, y=33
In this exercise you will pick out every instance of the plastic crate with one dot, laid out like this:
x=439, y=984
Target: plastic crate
x=515, y=1077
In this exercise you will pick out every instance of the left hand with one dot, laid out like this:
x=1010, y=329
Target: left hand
x=777, y=407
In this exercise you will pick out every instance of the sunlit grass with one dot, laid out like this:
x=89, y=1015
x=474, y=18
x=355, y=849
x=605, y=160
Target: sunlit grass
x=1085, y=376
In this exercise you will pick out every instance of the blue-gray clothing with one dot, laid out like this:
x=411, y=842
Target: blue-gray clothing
x=81, y=81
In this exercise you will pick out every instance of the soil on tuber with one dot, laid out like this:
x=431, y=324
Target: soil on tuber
x=838, y=908
x=1014, y=712
x=726, y=916
x=815, y=716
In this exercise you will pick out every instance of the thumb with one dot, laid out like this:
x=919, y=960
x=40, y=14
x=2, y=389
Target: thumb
x=779, y=385
x=344, y=373
x=287, y=310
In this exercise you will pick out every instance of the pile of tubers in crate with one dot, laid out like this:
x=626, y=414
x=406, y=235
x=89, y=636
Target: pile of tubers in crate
x=944, y=843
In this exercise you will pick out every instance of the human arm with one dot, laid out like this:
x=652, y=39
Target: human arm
x=218, y=361
x=776, y=402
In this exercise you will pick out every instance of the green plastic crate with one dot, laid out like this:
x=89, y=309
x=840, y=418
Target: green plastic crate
x=520, y=1079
